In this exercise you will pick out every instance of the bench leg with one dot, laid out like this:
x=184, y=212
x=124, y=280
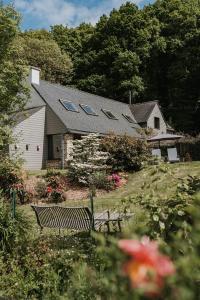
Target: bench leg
x=119, y=225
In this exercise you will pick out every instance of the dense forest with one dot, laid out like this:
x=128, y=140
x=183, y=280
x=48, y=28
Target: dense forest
x=153, y=52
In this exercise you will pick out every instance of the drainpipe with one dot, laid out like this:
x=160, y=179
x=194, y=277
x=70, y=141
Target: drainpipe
x=62, y=151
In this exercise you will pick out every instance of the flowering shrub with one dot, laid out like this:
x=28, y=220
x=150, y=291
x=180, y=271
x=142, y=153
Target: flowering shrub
x=146, y=268
x=116, y=179
x=56, y=185
x=55, y=194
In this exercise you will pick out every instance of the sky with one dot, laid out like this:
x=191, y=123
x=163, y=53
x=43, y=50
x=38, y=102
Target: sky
x=44, y=13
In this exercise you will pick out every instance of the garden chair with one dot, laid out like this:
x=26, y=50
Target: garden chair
x=172, y=155
x=76, y=218
x=156, y=152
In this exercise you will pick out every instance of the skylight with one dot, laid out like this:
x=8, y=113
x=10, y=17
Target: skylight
x=129, y=118
x=69, y=105
x=89, y=110
x=109, y=114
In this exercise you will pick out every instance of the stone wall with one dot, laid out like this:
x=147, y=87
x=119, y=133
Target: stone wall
x=68, y=139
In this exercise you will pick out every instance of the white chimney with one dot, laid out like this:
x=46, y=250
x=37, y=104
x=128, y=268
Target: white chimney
x=35, y=75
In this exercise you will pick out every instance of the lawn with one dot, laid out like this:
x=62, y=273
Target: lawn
x=160, y=180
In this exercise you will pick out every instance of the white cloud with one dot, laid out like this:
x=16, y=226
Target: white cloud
x=50, y=12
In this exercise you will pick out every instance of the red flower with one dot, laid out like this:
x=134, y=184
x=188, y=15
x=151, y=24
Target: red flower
x=49, y=190
x=147, y=268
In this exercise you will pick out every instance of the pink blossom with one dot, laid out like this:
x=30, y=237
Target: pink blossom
x=147, y=268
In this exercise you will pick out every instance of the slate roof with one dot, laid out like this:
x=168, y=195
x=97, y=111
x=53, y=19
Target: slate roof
x=142, y=111
x=34, y=101
x=81, y=122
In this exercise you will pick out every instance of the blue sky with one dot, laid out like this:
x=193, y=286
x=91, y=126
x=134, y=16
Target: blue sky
x=43, y=13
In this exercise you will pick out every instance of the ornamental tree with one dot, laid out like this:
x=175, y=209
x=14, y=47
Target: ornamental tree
x=87, y=159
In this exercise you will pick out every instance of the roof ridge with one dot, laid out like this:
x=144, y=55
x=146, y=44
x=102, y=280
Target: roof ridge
x=91, y=94
x=139, y=103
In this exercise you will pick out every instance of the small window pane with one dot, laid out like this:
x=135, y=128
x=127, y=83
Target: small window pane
x=89, y=110
x=109, y=114
x=69, y=105
x=129, y=119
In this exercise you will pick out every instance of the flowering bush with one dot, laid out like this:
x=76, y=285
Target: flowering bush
x=146, y=268
x=116, y=179
x=56, y=185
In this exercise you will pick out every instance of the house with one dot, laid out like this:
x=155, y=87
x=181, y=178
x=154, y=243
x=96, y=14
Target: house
x=149, y=115
x=56, y=115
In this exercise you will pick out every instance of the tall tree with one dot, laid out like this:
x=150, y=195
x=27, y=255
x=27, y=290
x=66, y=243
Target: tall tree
x=116, y=53
x=40, y=50
x=173, y=71
x=72, y=40
x=13, y=92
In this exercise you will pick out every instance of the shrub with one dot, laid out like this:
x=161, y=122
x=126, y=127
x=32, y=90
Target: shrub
x=56, y=184
x=41, y=188
x=101, y=180
x=13, y=232
x=125, y=153
x=87, y=159
x=10, y=175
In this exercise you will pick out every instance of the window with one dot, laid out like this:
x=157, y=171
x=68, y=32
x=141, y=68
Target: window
x=157, y=123
x=109, y=114
x=69, y=105
x=89, y=110
x=128, y=118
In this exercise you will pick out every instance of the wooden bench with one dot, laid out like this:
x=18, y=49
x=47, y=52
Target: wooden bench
x=75, y=218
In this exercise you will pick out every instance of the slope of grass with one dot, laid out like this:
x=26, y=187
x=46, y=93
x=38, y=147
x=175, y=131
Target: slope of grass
x=160, y=180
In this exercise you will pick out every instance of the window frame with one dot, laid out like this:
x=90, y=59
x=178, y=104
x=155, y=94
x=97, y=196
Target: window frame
x=86, y=105
x=127, y=116
x=109, y=117
x=62, y=102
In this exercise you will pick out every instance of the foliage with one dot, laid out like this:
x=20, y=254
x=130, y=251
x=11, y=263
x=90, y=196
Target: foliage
x=56, y=185
x=13, y=93
x=101, y=180
x=46, y=54
x=13, y=232
x=87, y=159
x=10, y=174
x=72, y=40
x=125, y=153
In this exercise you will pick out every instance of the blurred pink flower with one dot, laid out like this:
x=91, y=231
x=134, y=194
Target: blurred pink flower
x=147, y=268
x=49, y=189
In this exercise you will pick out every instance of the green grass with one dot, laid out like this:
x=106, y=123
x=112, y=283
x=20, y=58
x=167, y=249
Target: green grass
x=161, y=181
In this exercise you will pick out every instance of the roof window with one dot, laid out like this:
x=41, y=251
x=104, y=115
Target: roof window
x=69, y=105
x=109, y=114
x=89, y=110
x=129, y=118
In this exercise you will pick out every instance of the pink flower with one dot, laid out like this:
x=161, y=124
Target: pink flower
x=147, y=268
x=49, y=190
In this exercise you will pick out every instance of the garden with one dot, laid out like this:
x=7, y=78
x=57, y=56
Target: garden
x=155, y=255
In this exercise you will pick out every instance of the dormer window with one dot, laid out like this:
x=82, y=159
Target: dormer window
x=109, y=114
x=157, y=123
x=68, y=105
